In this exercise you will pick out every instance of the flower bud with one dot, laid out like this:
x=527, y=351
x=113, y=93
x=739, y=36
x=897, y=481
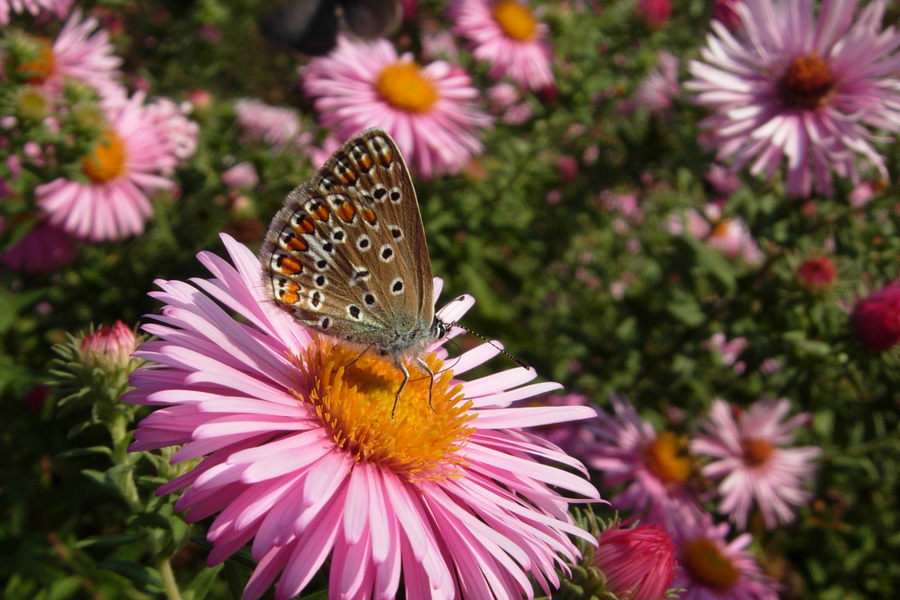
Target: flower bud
x=816, y=274
x=876, y=319
x=639, y=563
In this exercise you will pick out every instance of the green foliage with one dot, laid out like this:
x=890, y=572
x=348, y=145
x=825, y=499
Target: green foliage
x=595, y=299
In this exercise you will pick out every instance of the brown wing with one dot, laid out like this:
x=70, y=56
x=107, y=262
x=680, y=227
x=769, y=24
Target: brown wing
x=347, y=252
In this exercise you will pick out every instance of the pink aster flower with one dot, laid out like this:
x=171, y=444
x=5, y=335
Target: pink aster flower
x=638, y=562
x=60, y=8
x=181, y=132
x=712, y=568
x=241, y=175
x=654, y=469
x=728, y=350
x=125, y=164
x=300, y=456
x=506, y=34
x=276, y=126
x=656, y=92
x=44, y=249
x=730, y=235
x=876, y=319
x=79, y=52
x=427, y=110
x=752, y=462
x=809, y=87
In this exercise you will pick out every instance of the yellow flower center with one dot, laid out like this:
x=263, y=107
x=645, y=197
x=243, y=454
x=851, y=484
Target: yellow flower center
x=40, y=69
x=807, y=83
x=666, y=459
x=757, y=451
x=708, y=565
x=354, y=396
x=721, y=229
x=403, y=85
x=516, y=20
x=107, y=160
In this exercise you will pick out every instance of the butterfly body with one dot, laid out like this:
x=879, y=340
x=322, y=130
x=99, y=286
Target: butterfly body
x=347, y=256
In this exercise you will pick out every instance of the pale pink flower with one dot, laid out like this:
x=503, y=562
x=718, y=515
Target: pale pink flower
x=60, y=8
x=44, y=249
x=80, y=52
x=660, y=87
x=730, y=235
x=752, y=461
x=638, y=562
x=506, y=34
x=723, y=180
x=320, y=154
x=181, y=132
x=653, y=469
x=712, y=568
x=109, y=347
x=241, y=175
x=863, y=193
x=728, y=350
x=299, y=454
x=277, y=126
x=126, y=163
x=428, y=110
x=808, y=86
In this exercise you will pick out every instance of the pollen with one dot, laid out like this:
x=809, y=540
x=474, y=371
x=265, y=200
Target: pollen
x=807, y=83
x=757, y=451
x=404, y=86
x=516, y=20
x=40, y=69
x=708, y=565
x=354, y=396
x=106, y=161
x=666, y=459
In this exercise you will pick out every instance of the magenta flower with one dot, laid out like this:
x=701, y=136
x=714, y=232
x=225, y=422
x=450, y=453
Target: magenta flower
x=42, y=250
x=276, y=126
x=506, y=34
x=876, y=319
x=79, y=52
x=127, y=161
x=660, y=87
x=752, y=462
x=712, y=568
x=654, y=469
x=428, y=110
x=301, y=458
x=638, y=562
x=809, y=87
x=58, y=7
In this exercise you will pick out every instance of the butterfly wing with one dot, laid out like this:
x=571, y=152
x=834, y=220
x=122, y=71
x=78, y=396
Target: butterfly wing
x=347, y=252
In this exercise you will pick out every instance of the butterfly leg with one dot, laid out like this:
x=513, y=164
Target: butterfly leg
x=424, y=366
x=405, y=372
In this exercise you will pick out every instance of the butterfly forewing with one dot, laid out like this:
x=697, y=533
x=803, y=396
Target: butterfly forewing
x=347, y=252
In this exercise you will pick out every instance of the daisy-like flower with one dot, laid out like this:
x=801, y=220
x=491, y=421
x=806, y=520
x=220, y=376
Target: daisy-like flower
x=506, y=34
x=661, y=86
x=752, y=462
x=427, y=110
x=79, y=52
x=811, y=88
x=712, y=568
x=181, y=132
x=42, y=250
x=730, y=235
x=276, y=126
x=124, y=165
x=654, y=469
x=301, y=457
x=58, y=7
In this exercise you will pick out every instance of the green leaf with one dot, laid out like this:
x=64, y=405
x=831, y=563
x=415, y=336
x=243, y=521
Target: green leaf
x=145, y=578
x=200, y=586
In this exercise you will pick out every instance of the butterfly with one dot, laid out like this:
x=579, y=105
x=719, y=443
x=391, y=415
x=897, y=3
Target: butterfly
x=346, y=254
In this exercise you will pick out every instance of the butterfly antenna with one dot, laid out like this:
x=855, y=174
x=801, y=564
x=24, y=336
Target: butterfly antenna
x=518, y=361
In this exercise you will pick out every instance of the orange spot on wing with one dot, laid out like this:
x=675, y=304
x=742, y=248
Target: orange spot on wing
x=298, y=244
x=365, y=161
x=348, y=176
x=290, y=265
x=368, y=215
x=305, y=226
x=290, y=297
x=321, y=213
x=346, y=212
x=386, y=157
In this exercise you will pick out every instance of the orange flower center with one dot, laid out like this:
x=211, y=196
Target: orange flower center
x=403, y=85
x=807, y=83
x=708, y=565
x=721, y=229
x=354, y=397
x=666, y=459
x=40, y=69
x=757, y=451
x=107, y=160
x=516, y=20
